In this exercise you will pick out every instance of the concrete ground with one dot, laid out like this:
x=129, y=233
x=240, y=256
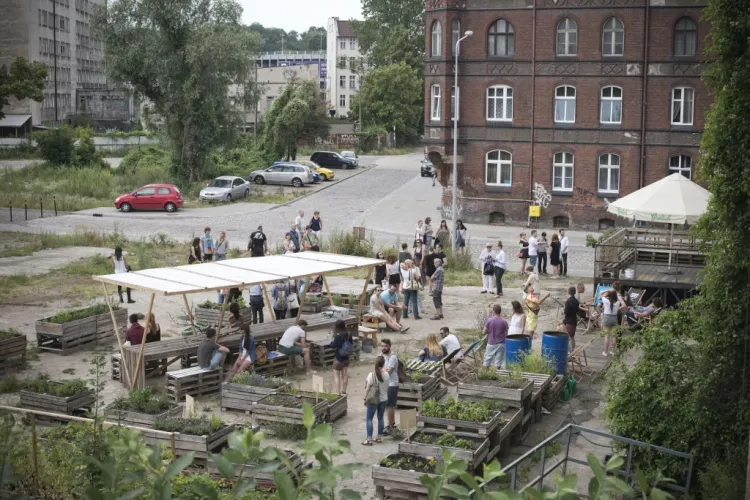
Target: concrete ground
x=44, y=261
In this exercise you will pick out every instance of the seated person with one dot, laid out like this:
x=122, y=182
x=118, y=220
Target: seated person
x=584, y=305
x=450, y=342
x=294, y=343
x=377, y=310
x=390, y=300
x=247, y=354
x=134, y=333
x=211, y=354
x=433, y=351
x=153, y=330
x=634, y=313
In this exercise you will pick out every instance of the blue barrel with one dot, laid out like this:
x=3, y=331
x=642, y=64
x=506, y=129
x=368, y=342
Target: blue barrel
x=515, y=347
x=555, y=348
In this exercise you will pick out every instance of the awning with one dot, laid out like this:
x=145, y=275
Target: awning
x=14, y=121
x=349, y=260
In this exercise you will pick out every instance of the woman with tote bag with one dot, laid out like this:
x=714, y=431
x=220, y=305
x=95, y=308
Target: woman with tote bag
x=376, y=395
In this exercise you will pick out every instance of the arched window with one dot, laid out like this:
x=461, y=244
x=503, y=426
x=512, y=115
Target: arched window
x=501, y=39
x=611, y=105
x=681, y=164
x=682, y=106
x=435, y=102
x=436, y=38
x=613, y=37
x=685, y=36
x=609, y=173
x=500, y=103
x=455, y=34
x=565, y=104
x=562, y=172
x=567, y=37
x=498, y=167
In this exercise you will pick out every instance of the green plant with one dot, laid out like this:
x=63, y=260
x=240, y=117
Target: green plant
x=76, y=314
x=534, y=362
x=42, y=385
x=142, y=401
x=479, y=411
x=409, y=462
x=292, y=432
x=9, y=334
x=57, y=145
x=10, y=383
x=346, y=243
x=196, y=426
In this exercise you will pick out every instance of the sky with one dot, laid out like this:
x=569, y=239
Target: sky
x=298, y=15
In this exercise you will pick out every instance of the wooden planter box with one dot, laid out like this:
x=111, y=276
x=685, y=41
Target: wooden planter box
x=241, y=397
x=335, y=410
x=322, y=355
x=200, y=445
x=105, y=332
x=472, y=457
x=12, y=354
x=398, y=483
x=269, y=412
x=265, y=480
x=551, y=395
x=520, y=398
x=464, y=427
x=73, y=336
x=210, y=317
x=541, y=382
x=411, y=394
x=125, y=417
x=315, y=304
x=46, y=402
x=500, y=439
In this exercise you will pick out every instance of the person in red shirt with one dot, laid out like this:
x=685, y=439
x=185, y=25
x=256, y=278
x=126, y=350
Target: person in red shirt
x=134, y=335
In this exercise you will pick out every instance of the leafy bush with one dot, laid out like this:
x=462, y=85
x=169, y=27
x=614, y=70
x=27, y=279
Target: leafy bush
x=57, y=145
x=86, y=153
x=10, y=383
x=41, y=384
x=66, y=316
x=142, y=401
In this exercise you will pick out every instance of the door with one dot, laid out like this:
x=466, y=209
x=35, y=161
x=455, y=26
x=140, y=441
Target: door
x=144, y=199
x=238, y=188
x=163, y=195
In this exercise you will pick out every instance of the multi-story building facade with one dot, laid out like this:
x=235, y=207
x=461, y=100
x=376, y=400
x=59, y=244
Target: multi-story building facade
x=283, y=59
x=565, y=104
x=345, y=66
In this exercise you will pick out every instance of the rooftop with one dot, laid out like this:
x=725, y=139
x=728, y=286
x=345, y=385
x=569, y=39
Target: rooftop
x=345, y=29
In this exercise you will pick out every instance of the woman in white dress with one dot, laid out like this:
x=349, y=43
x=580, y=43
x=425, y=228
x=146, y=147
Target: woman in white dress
x=486, y=265
x=518, y=320
x=120, y=267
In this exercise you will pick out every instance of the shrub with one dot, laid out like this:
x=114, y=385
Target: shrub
x=57, y=145
x=348, y=244
x=86, y=153
x=88, y=182
x=143, y=401
x=143, y=158
x=42, y=385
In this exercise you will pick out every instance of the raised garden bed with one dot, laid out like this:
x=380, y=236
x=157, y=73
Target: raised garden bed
x=72, y=397
x=245, y=389
x=12, y=351
x=322, y=355
x=397, y=476
x=208, y=313
x=201, y=436
x=476, y=419
x=551, y=395
x=142, y=408
x=287, y=409
x=315, y=304
x=418, y=388
x=541, y=382
x=337, y=403
x=265, y=480
x=514, y=391
x=431, y=443
x=71, y=331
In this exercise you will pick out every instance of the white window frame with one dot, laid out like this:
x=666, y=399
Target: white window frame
x=611, y=163
x=352, y=81
x=453, y=103
x=342, y=81
x=342, y=44
x=569, y=29
x=679, y=104
x=342, y=101
x=353, y=44
x=684, y=164
x=455, y=34
x=612, y=100
x=612, y=28
x=501, y=163
x=506, y=103
x=560, y=168
x=685, y=33
x=565, y=99
x=435, y=103
x=436, y=39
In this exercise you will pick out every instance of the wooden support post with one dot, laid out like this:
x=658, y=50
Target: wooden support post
x=34, y=454
x=269, y=303
x=126, y=379
x=328, y=289
x=140, y=372
x=221, y=318
x=190, y=314
x=302, y=299
x=364, y=291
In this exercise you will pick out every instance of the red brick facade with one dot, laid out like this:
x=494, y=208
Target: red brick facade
x=534, y=71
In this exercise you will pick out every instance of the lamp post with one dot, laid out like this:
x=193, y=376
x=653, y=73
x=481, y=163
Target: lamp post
x=454, y=187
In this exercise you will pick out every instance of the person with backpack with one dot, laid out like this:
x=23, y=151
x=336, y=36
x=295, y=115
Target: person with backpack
x=396, y=374
x=343, y=346
x=376, y=397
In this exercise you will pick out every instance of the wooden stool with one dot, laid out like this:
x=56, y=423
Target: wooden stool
x=370, y=326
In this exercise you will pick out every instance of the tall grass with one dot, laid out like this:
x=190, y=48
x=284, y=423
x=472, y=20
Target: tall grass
x=96, y=264
x=461, y=269
x=346, y=243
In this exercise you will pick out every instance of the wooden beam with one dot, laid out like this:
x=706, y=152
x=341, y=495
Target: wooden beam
x=221, y=318
x=269, y=303
x=364, y=291
x=123, y=362
x=304, y=294
x=190, y=315
x=140, y=378
x=328, y=289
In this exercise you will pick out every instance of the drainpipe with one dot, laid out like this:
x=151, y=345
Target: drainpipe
x=644, y=93
x=533, y=102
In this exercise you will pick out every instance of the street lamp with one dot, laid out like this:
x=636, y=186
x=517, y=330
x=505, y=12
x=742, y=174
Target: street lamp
x=454, y=210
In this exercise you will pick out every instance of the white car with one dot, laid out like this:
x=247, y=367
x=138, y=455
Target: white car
x=225, y=188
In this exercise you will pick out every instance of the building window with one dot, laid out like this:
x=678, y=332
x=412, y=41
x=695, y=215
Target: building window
x=353, y=43
x=352, y=81
x=342, y=82
x=609, y=173
x=497, y=218
x=613, y=41
x=606, y=224
x=500, y=103
x=353, y=63
x=501, y=39
x=453, y=103
x=342, y=62
x=565, y=104
x=269, y=102
x=685, y=36
x=498, y=168
x=435, y=102
x=562, y=172
x=681, y=164
x=436, y=38
x=342, y=100
x=560, y=222
x=342, y=43
x=611, y=105
x=567, y=37
x=682, y=106
x=455, y=34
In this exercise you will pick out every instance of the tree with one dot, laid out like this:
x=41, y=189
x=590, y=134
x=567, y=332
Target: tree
x=311, y=40
x=23, y=80
x=182, y=56
x=392, y=96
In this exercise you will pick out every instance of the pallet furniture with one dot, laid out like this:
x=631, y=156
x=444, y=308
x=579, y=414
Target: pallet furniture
x=265, y=480
x=241, y=397
x=194, y=381
x=210, y=317
x=276, y=365
x=516, y=397
x=398, y=483
x=139, y=419
x=73, y=336
x=578, y=364
x=336, y=408
x=411, y=394
x=473, y=457
x=71, y=405
x=201, y=446
x=370, y=326
x=324, y=356
x=287, y=408
x=552, y=395
x=541, y=382
x=12, y=354
x=431, y=368
x=314, y=304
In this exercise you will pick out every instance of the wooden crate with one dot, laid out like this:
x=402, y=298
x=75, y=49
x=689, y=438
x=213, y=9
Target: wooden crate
x=184, y=443
x=265, y=480
x=194, y=381
x=472, y=457
x=105, y=332
x=520, y=397
x=125, y=417
x=551, y=395
x=432, y=368
x=277, y=365
x=502, y=437
x=461, y=427
x=315, y=304
x=241, y=397
x=335, y=410
x=322, y=355
x=210, y=317
x=397, y=483
x=12, y=354
x=541, y=382
x=66, y=338
x=71, y=405
x=270, y=412
x=411, y=394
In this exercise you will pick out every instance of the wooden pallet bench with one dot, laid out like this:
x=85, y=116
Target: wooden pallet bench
x=12, y=354
x=74, y=336
x=277, y=364
x=194, y=381
x=324, y=356
x=411, y=394
x=268, y=410
x=432, y=368
x=152, y=367
x=241, y=397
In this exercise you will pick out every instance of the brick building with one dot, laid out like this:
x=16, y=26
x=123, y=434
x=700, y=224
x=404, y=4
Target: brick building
x=582, y=99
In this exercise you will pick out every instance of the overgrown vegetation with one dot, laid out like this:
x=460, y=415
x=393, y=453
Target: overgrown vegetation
x=479, y=411
x=347, y=243
x=43, y=385
x=75, y=314
x=291, y=432
x=448, y=440
x=9, y=334
x=142, y=401
x=534, y=362
x=245, y=378
x=10, y=383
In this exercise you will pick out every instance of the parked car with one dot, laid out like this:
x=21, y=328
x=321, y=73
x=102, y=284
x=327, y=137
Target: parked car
x=352, y=156
x=292, y=173
x=426, y=169
x=332, y=160
x=225, y=188
x=325, y=174
x=151, y=197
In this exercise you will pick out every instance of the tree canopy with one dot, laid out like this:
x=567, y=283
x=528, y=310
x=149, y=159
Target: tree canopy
x=312, y=39
x=23, y=80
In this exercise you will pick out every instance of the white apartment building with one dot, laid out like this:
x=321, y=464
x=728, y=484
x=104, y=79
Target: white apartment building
x=342, y=54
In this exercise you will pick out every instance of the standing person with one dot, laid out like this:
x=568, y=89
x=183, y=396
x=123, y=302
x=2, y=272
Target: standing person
x=523, y=252
x=433, y=174
x=288, y=244
x=316, y=224
x=404, y=254
x=376, y=397
x=279, y=301
x=121, y=267
x=533, y=249
x=310, y=241
x=517, y=320
x=443, y=235
x=460, y=236
x=394, y=274
x=256, y=303
x=570, y=315
x=419, y=232
x=377, y=309
x=391, y=368
x=294, y=343
x=207, y=245
x=499, y=263
x=428, y=233
x=532, y=281
x=258, y=244
x=295, y=236
x=222, y=246
x=564, y=244
x=610, y=306
x=486, y=264
x=211, y=354
x=247, y=354
x=554, y=258
x=292, y=298
x=195, y=252
x=428, y=261
x=533, y=306
x=542, y=251
x=438, y=278
x=343, y=346
x=379, y=271
x=299, y=221
x=496, y=329
x=410, y=279
x=418, y=253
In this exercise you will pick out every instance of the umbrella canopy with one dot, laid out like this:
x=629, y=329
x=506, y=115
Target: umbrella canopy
x=673, y=200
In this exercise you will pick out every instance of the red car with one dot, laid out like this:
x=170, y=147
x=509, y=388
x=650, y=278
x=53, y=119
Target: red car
x=151, y=197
